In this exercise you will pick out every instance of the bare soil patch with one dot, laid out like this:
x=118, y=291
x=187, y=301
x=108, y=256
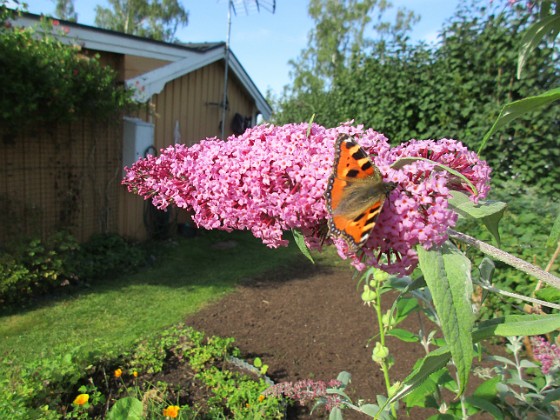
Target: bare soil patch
x=308, y=322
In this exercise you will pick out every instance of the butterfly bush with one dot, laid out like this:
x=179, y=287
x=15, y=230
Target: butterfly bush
x=272, y=179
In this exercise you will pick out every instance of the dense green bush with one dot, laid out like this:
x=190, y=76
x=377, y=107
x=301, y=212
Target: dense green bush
x=33, y=267
x=455, y=90
x=524, y=230
x=106, y=254
x=45, y=80
x=30, y=268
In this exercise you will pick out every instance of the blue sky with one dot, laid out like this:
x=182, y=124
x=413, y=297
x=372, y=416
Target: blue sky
x=263, y=42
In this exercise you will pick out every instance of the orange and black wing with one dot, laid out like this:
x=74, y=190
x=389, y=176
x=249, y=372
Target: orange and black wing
x=355, y=193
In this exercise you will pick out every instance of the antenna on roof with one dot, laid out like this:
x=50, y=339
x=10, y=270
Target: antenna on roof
x=235, y=6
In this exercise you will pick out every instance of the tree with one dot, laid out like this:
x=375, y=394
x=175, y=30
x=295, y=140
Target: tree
x=340, y=32
x=156, y=19
x=65, y=10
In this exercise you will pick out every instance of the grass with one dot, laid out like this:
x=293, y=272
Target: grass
x=113, y=313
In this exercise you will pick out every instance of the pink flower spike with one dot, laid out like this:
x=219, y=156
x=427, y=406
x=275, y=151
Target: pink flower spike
x=272, y=179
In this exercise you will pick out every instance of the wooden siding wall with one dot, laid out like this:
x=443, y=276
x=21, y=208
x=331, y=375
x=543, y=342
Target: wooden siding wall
x=63, y=177
x=194, y=101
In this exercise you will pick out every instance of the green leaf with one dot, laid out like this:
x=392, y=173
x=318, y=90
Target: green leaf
x=448, y=275
x=486, y=269
x=344, y=377
x=554, y=237
x=310, y=124
x=370, y=409
x=422, y=395
x=407, y=160
x=516, y=109
x=336, y=414
x=405, y=306
x=534, y=35
x=127, y=408
x=514, y=325
x=552, y=396
x=489, y=212
x=485, y=405
x=549, y=294
x=487, y=389
x=257, y=362
x=403, y=335
x=300, y=242
x=431, y=363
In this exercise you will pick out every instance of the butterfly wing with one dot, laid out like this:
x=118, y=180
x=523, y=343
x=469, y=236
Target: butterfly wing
x=355, y=193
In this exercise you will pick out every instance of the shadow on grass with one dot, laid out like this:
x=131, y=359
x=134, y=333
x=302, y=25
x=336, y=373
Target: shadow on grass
x=213, y=259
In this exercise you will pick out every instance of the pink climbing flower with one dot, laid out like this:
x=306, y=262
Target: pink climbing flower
x=272, y=179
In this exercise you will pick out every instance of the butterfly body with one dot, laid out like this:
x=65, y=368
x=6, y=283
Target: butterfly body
x=355, y=193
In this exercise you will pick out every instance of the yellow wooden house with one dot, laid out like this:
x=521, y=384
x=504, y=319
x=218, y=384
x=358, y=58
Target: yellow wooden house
x=69, y=176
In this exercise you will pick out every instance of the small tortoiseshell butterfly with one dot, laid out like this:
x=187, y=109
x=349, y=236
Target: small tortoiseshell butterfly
x=355, y=193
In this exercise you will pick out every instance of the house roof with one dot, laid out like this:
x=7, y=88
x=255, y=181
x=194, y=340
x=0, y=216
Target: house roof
x=184, y=57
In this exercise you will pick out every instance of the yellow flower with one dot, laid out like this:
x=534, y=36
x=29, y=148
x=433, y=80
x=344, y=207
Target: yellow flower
x=172, y=411
x=118, y=373
x=135, y=374
x=261, y=398
x=81, y=399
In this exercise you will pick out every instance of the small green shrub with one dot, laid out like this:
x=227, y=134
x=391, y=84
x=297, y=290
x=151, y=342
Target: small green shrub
x=33, y=267
x=106, y=254
x=29, y=268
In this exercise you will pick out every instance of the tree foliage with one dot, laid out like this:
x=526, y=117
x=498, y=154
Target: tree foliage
x=46, y=80
x=330, y=50
x=65, y=10
x=455, y=89
x=156, y=19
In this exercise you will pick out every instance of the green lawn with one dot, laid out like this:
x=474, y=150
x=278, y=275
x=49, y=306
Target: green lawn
x=112, y=313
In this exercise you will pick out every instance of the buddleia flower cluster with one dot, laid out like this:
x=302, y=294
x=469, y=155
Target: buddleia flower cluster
x=272, y=179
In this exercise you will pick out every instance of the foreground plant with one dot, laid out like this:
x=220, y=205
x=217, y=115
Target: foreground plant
x=273, y=179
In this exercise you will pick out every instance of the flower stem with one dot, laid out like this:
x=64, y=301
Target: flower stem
x=507, y=258
x=384, y=363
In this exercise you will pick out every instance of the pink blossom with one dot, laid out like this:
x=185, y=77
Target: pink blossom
x=272, y=179
x=306, y=390
x=547, y=354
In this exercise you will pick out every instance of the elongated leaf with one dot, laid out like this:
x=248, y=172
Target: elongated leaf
x=336, y=414
x=534, y=35
x=344, y=378
x=552, y=396
x=554, y=237
x=404, y=335
x=487, y=389
x=420, y=396
x=370, y=409
x=514, y=325
x=486, y=405
x=516, y=109
x=448, y=276
x=407, y=160
x=504, y=326
x=486, y=269
x=431, y=363
x=405, y=306
x=300, y=242
x=488, y=212
x=309, y=125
